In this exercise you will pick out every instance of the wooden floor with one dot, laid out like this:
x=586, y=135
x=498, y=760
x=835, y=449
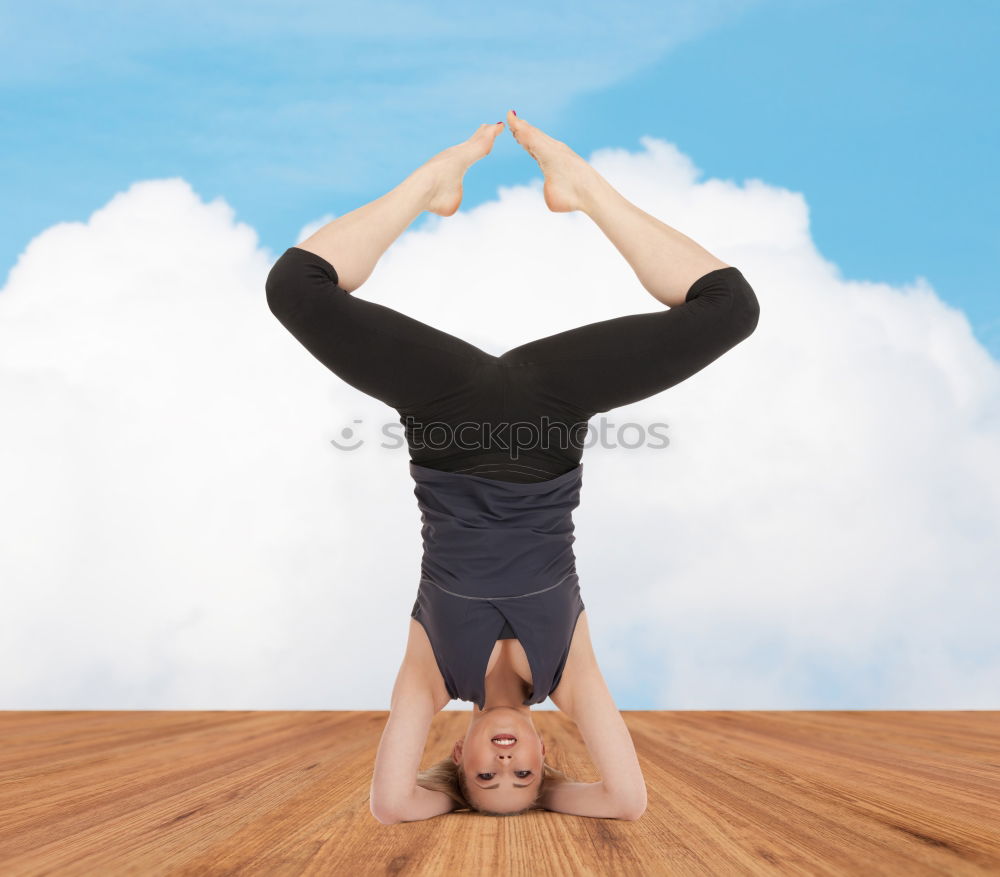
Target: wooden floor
x=273, y=793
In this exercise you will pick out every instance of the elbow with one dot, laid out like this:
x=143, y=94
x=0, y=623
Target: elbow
x=384, y=815
x=632, y=812
x=636, y=803
x=633, y=805
x=636, y=810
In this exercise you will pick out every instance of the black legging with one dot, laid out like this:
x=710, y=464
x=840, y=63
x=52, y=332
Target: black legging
x=524, y=414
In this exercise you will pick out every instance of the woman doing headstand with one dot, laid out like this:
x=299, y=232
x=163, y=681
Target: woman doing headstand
x=498, y=619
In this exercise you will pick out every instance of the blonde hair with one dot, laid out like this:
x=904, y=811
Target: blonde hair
x=448, y=777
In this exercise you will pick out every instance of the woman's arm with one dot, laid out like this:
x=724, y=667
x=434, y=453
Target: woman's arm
x=416, y=697
x=584, y=696
x=395, y=795
x=586, y=799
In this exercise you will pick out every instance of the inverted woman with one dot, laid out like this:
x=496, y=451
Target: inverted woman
x=498, y=618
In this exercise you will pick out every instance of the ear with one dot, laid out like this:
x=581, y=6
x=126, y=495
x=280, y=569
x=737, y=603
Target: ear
x=456, y=751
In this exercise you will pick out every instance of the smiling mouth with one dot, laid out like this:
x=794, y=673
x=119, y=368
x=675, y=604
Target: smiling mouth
x=504, y=739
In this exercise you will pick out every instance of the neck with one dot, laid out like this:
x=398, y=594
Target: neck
x=504, y=688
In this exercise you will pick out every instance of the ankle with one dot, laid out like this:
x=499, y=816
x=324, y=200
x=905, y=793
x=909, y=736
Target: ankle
x=593, y=191
x=420, y=187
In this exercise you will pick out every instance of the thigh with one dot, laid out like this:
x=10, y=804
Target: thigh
x=386, y=354
x=604, y=365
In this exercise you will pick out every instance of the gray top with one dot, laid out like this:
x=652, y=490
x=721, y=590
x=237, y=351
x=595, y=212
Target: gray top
x=497, y=553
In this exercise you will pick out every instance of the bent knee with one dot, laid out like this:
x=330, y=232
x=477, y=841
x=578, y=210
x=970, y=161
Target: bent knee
x=283, y=287
x=745, y=307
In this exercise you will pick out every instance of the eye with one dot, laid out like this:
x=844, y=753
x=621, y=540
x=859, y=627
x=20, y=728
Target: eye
x=520, y=774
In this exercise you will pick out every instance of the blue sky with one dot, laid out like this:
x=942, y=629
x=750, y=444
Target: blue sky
x=175, y=522
x=882, y=113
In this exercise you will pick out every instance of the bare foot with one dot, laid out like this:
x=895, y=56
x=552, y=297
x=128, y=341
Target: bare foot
x=567, y=175
x=446, y=169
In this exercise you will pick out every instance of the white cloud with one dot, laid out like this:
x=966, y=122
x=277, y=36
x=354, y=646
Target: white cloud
x=178, y=532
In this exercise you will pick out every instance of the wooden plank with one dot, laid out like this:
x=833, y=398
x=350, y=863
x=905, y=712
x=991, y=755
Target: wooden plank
x=730, y=792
